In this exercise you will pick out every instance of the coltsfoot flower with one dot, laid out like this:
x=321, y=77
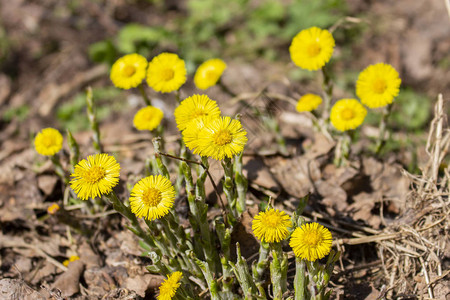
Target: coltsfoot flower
x=194, y=107
x=221, y=137
x=148, y=118
x=191, y=133
x=48, y=142
x=311, y=241
x=308, y=102
x=170, y=285
x=95, y=176
x=152, y=197
x=166, y=73
x=312, y=48
x=71, y=259
x=208, y=73
x=347, y=114
x=271, y=226
x=378, y=85
x=52, y=209
x=129, y=71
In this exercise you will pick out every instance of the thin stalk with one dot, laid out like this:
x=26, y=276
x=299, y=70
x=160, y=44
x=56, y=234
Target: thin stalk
x=93, y=120
x=241, y=184
x=327, y=86
x=382, y=129
x=59, y=170
x=261, y=265
x=74, y=150
x=147, y=100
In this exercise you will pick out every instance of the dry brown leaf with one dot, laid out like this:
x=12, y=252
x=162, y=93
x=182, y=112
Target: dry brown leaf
x=69, y=282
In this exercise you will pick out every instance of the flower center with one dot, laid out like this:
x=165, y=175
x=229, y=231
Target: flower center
x=211, y=75
x=347, y=114
x=379, y=86
x=312, y=238
x=129, y=71
x=167, y=74
x=47, y=141
x=313, y=49
x=94, y=174
x=272, y=221
x=223, y=137
x=151, y=197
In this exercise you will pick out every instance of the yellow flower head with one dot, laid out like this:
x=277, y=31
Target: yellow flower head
x=95, y=176
x=208, y=73
x=166, y=73
x=48, y=141
x=148, y=118
x=152, y=197
x=71, y=259
x=221, y=137
x=347, y=114
x=378, y=85
x=271, y=226
x=170, y=285
x=194, y=107
x=52, y=209
x=312, y=48
x=311, y=241
x=308, y=102
x=191, y=133
x=128, y=71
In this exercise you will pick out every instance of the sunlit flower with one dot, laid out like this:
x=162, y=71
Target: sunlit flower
x=308, y=102
x=152, y=197
x=128, y=71
x=148, y=118
x=378, y=85
x=166, y=73
x=347, y=114
x=196, y=106
x=71, y=259
x=95, y=176
x=191, y=133
x=221, y=137
x=48, y=141
x=208, y=73
x=52, y=209
x=271, y=226
x=312, y=48
x=311, y=241
x=170, y=285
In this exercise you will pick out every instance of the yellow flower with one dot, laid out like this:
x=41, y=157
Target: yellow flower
x=71, y=259
x=194, y=107
x=221, y=137
x=347, y=114
x=208, y=73
x=52, y=209
x=311, y=241
x=166, y=73
x=48, y=141
x=190, y=134
x=128, y=71
x=308, y=102
x=312, y=48
x=170, y=285
x=378, y=85
x=95, y=176
x=152, y=197
x=271, y=226
x=148, y=118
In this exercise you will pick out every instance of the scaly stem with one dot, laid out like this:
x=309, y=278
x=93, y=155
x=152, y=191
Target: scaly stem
x=299, y=280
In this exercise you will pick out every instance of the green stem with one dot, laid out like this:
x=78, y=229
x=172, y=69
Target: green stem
x=328, y=89
x=74, y=150
x=299, y=280
x=228, y=186
x=241, y=184
x=382, y=129
x=261, y=265
x=147, y=100
x=59, y=170
x=93, y=120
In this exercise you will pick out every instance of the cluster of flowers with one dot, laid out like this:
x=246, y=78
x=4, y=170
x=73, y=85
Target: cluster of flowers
x=377, y=85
